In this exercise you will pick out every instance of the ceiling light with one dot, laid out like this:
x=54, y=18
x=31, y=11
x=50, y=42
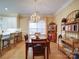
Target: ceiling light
x=6, y=9
x=35, y=17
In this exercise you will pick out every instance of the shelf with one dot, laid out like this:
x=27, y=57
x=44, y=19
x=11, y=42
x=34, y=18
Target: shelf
x=68, y=46
x=71, y=34
x=62, y=49
x=52, y=32
x=75, y=22
x=68, y=42
x=73, y=31
x=67, y=53
x=65, y=50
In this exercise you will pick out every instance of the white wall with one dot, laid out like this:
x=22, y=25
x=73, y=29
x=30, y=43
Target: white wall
x=24, y=24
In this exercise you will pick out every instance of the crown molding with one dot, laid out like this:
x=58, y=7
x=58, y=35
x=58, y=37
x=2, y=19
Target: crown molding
x=9, y=14
x=64, y=6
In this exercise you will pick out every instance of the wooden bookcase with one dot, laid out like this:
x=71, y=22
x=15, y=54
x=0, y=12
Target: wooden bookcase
x=70, y=37
x=52, y=32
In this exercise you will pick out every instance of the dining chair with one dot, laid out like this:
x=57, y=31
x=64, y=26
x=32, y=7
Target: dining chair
x=16, y=37
x=49, y=38
x=38, y=49
x=5, y=39
x=12, y=39
x=0, y=45
x=19, y=36
x=26, y=37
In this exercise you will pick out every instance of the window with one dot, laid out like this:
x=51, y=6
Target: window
x=37, y=27
x=8, y=22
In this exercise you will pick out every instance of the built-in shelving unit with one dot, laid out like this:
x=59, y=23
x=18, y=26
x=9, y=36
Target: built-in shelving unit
x=70, y=34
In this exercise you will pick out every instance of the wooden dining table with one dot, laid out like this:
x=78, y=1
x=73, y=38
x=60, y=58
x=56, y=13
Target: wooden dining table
x=29, y=43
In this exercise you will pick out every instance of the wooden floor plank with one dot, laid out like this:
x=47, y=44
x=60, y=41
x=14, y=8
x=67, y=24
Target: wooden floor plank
x=18, y=52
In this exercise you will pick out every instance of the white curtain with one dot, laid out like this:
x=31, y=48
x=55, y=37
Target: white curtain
x=39, y=26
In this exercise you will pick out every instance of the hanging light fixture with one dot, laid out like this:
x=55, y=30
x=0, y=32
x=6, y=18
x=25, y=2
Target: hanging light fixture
x=35, y=17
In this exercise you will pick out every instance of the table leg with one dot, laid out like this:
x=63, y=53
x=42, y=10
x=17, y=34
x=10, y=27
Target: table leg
x=47, y=51
x=2, y=44
x=26, y=51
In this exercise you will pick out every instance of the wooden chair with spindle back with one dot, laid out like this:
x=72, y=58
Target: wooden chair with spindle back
x=38, y=49
x=26, y=37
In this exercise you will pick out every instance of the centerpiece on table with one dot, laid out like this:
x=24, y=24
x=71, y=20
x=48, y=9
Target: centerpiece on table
x=37, y=34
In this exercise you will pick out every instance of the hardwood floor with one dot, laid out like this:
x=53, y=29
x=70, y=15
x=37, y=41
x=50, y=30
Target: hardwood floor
x=18, y=52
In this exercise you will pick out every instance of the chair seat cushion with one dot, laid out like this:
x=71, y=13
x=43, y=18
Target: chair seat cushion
x=38, y=50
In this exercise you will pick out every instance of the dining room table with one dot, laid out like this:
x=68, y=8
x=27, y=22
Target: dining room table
x=29, y=43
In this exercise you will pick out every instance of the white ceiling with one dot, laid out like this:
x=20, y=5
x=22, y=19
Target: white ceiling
x=27, y=7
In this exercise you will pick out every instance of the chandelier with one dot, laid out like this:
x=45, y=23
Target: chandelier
x=35, y=17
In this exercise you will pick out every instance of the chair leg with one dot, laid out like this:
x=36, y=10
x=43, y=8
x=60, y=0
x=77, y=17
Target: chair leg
x=8, y=43
x=2, y=44
x=44, y=55
x=33, y=56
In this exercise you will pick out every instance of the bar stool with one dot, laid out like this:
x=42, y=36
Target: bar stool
x=5, y=38
x=12, y=38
